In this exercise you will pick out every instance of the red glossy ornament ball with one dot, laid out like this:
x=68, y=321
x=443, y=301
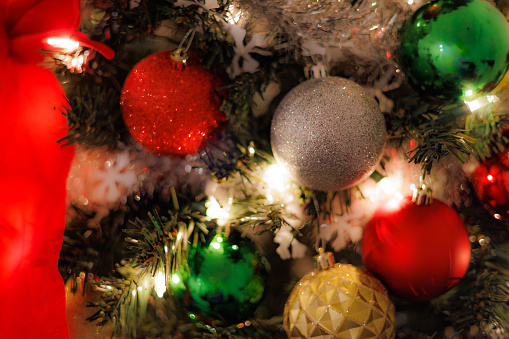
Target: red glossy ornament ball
x=491, y=184
x=169, y=106
x=419, y=252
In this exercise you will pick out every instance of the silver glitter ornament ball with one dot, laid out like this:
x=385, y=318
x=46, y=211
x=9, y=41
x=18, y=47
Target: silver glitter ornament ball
x=329, y=133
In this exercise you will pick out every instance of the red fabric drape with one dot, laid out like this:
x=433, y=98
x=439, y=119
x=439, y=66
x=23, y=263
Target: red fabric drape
x=33, y=170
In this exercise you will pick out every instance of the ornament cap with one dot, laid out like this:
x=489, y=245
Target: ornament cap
x=324, y=260
x=422, y=195
x=180, y=55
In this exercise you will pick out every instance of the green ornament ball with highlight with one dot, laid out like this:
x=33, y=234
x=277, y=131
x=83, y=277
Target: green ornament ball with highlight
x=225, y=282
x=453, y=49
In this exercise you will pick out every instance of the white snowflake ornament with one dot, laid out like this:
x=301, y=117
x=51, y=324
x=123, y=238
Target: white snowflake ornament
x=242, y=52
x=100, y=178
x=114, y=176
x=285, y=239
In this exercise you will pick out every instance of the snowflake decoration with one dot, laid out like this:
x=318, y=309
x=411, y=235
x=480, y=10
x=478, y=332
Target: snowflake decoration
x=285, y=239
x=115, y=177
x=242, y=52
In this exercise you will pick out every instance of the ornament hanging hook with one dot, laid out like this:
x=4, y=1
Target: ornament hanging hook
x=316, y=68
x=318, y=245
x=423, y=194
x=181, y=54
x=323, y=260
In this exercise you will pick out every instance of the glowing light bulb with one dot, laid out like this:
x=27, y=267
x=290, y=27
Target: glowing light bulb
x=474, y=105
x=175, y=278
x=215, y=211
x=389, y=187
x=392, y=205
x=276, y=177
x=66, y=44
x=159, y=284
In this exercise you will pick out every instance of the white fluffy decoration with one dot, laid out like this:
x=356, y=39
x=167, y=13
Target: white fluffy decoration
x=160, y=173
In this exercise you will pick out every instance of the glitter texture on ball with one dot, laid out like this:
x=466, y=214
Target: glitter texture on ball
x=171, y=107
x=328, y=133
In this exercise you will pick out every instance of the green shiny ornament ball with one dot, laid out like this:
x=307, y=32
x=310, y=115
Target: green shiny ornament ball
x=225, y=280
x=455, y=49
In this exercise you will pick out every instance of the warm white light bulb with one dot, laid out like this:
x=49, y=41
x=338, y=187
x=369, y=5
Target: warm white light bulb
x=159, y=284
x=474, y=105
x=391, y=188
x=175, y=278
x=215, y=211
x=67, y=44
x=277, y=178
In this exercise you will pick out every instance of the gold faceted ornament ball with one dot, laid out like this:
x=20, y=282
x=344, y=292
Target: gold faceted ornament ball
x=340, y=302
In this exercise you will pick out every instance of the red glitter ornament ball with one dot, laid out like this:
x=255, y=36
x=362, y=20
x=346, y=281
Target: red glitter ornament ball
x=170, y=106
x=491, y=183
x=419, y=252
